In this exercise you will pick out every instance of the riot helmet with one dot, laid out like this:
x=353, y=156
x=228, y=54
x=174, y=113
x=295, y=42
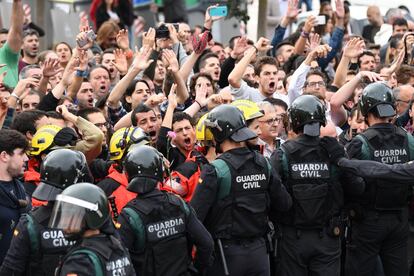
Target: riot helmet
x=377, y=97
x=307, y=111
x=78, y=208
x=227, y=122
x=144, y=167
x=60, y=169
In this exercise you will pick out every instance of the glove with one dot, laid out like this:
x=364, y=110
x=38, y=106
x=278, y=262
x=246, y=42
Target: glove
x=334, y=149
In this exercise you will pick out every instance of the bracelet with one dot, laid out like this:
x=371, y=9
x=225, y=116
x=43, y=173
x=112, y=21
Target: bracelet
x=198, y=104
x=304, y=34
x=80, y=73
x=15, y=95
x=205, y=29
x=257, y=50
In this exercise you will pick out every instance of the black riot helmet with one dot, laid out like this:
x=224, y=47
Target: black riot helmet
x=80, y=207
x=377, y=98
x=60, y=169
x=227, y=122
x=144, y=167
x=307, y=111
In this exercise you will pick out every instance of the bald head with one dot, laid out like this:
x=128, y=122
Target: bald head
x=374, y=15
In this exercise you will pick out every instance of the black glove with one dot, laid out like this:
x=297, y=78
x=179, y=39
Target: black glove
x=334, y=149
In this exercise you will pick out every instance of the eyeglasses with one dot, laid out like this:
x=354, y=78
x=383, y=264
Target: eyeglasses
x=272, y=121
x=317, y=83
x=101, y=125
x=399, y=100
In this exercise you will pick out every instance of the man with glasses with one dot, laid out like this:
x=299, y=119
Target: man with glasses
x=269, y=125
x=403, y=96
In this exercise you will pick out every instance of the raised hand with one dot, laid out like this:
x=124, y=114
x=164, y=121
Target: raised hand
x=340, y=10
x=141, y=60
x=354, y=48
x=292, y=10
x=240, y=47
x=148, y=39
x=172, y=97
x=371, y=76
x=314, y=41
x=122, y=39
x=171, y=60
x=310, y=22
x=121, y=63
x=263, y=45
x=208, y=19
x=320, y=52
x=50, y=67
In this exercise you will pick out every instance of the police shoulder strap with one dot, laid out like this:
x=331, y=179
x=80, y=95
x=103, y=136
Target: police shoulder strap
x=366, y=152
x=33, y=234
x=285, y=160
x=223, y=178
x=410, y=139
x=94, y=258
x=177, y=200
x=137, y=225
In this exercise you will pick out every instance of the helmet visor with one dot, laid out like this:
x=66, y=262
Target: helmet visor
x=69, y=213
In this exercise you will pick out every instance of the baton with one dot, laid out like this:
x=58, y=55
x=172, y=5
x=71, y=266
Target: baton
x=223, y=258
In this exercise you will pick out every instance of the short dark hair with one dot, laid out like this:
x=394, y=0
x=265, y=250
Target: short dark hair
x=10, y=140
x=141, y=108
x=55, y=115
x=96, y=67
x=277, y=102
x=65, y=43
x=194, y=79
x=181, y=116
x=203, y=59
x=399, y=22
x=263, y=61
x=365, y=53
x=26, y=121
x=315, y=72
x=84, y=113
x=4, y=31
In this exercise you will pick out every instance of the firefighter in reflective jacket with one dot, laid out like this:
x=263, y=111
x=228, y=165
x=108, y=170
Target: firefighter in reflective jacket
x=115, y=182
x=157, y=226
x=234, y=197
x=311, y=229
x=36, y=249
x=379, y=215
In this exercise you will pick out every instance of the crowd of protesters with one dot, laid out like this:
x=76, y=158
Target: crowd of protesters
x=105, y=94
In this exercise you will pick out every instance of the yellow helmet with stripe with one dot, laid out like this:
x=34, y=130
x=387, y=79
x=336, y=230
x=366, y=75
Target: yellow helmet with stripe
x=123, y=139
x=203, y=134
x=43, y=139
x=249, y=109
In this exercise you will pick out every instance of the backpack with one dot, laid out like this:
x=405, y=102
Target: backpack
x=184, y=179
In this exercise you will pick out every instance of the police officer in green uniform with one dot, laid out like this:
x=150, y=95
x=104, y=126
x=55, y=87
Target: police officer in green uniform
x=36, y=248
x=234, y=197
x=82, y=212
x=310, y=231
x=158, y=227
x=379, y=215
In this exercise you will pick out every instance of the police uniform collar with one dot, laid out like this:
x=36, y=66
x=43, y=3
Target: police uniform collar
x=98, y=243
x=152, y=193
x=237, y=157
x=307, y=140
x=382, y=125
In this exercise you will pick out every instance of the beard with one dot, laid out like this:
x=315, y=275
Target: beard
x=15, y=172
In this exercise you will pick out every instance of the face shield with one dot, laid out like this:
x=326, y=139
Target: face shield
x=69, y=214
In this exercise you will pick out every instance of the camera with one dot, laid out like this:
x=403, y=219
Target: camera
x=163, y=32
